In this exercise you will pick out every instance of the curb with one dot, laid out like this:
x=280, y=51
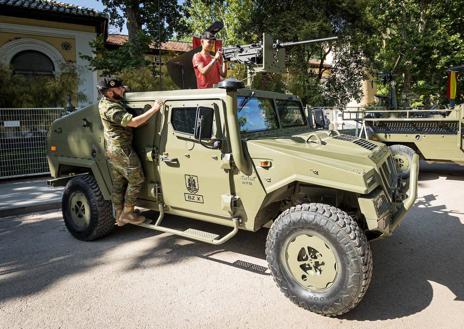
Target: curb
x=29, y=209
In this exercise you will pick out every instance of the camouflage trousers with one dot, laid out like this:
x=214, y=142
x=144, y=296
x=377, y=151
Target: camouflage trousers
x=127, y=176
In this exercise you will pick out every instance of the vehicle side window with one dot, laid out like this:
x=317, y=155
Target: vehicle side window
x=183, y=119
x=291, y=113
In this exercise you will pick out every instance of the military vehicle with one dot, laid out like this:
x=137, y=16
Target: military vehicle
x=246, y=159
x=436, y=135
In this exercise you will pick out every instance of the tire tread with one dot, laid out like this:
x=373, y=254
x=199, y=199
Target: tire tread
x=347, y=231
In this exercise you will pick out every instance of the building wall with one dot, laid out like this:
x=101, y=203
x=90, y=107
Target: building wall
x=52, y=39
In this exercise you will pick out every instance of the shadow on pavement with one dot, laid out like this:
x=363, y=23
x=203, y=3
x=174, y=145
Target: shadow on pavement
x=35, y=254
x=171, y=249
x=433, y=171
x=427, y=247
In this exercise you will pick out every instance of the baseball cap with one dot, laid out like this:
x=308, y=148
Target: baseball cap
x=110, y=82
x=208, y=36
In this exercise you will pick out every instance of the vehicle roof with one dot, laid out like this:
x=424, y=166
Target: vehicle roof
x=201, y=94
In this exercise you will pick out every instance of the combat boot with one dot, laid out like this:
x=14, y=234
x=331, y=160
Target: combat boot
x=129, y=216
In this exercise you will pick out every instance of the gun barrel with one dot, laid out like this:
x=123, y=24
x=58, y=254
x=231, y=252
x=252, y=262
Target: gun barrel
x=295, y=43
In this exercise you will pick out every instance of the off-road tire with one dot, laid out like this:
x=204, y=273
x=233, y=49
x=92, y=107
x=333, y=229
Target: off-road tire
x=405, y=151
x=351, y=247
x=101, y=221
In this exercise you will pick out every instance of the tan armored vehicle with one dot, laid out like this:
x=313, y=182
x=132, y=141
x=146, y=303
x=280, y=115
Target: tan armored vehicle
x=435, y=135
x=245, y=158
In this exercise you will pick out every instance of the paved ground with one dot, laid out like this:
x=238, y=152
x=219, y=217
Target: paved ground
x=139, y=279
x=26, y=195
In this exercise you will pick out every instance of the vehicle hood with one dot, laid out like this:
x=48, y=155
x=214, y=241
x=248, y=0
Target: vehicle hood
x=343, y=162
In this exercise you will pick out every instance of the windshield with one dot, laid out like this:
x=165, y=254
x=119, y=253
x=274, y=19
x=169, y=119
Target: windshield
x=259, y=114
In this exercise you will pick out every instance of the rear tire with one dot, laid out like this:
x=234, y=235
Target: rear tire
x=319, y=258
x=87, y=215
x=402, y=155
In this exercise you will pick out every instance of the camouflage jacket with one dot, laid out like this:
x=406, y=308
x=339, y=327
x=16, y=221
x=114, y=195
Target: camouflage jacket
x=115, y=118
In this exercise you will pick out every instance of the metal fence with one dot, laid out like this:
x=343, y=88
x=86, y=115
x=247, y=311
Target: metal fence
x=335, y=116
x=23, y=140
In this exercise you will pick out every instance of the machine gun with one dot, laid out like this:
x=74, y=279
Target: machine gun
x=265, y=56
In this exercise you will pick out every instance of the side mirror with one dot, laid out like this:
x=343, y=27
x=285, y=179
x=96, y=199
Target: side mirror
x=204, y=123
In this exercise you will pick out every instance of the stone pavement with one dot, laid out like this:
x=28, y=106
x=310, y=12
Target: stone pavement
x=28, y=195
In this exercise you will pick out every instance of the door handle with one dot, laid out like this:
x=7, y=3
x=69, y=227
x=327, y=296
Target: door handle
x=169, y=160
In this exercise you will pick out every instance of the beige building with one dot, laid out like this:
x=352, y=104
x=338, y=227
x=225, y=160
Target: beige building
x=37, y=37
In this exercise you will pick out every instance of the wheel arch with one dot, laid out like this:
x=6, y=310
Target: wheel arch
x=300, y=192
x=411, y=145
x=69, y=169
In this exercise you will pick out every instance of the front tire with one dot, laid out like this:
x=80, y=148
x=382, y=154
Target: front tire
x=319, y=258
x=87, y=215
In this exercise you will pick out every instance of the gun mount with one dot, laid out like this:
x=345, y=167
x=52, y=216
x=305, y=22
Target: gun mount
x=264, y=56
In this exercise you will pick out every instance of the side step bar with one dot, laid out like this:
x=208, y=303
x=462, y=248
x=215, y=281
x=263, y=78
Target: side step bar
x=190, y=233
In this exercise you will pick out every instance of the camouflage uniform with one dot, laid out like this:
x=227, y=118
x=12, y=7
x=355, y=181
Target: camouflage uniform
x=126, y=169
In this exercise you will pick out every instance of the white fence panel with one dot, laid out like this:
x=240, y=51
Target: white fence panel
x=23, y=140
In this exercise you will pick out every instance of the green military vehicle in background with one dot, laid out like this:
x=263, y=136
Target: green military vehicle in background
x=246, y=159
x=436, y=135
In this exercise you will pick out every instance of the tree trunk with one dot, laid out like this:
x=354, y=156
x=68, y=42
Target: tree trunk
x=133, y=19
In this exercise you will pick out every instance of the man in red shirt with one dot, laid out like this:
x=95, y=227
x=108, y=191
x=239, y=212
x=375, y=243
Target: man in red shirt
x=209, y=70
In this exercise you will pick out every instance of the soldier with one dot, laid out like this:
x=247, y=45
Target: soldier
x=208, y=69
x=126, y=170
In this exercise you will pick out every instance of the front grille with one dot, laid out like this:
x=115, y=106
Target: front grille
x=383, y=206
x=389, y=175
x=416, y=127
x=365, y=143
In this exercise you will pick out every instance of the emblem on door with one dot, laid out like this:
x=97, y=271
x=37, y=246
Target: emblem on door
x=191, y=182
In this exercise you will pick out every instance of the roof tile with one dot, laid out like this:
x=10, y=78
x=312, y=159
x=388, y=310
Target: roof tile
x=53, y=6
x=120, y=39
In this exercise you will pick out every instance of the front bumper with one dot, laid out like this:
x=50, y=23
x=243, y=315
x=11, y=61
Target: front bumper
x=407, y=203
x=385, y=218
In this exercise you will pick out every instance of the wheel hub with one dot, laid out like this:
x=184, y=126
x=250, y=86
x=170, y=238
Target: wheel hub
x=402, y=162
x=311, y=261
x=80, y=210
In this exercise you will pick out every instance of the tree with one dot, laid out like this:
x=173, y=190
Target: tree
x=423, y=38
x=148, y=23
x=300, y=20
x=246, y=20
x=235, y=14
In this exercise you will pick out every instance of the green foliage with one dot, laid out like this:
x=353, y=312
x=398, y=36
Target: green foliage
x=143, y=79
x=113, y=61
x=301, y=20
x=147, y=25
x=424, y=37
x=18, y=90
x=246, y=20
x=235, y=14
x=160, y=23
